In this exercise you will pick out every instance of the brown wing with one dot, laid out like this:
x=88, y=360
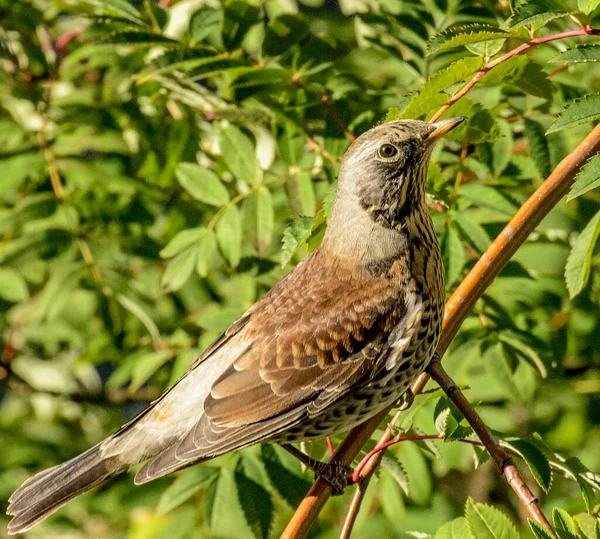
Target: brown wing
x=310, y=340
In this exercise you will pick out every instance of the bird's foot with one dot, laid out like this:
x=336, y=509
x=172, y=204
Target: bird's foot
x=336, y=474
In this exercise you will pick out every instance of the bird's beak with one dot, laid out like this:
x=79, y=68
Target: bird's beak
x=443, y=126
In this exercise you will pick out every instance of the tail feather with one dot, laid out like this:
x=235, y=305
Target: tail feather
x=49, y=490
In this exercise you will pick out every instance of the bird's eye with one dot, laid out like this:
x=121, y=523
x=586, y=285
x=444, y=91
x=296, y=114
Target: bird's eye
x=387, y=150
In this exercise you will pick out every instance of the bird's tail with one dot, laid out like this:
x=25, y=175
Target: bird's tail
x=45, y=492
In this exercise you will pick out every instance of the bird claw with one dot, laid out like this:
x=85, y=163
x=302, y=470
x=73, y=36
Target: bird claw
x=336, y=475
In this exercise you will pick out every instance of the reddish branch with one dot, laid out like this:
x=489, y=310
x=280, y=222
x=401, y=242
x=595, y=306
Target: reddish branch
x=585, y=31
x=457, y=309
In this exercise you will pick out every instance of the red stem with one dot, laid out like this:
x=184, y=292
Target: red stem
x=587, y=31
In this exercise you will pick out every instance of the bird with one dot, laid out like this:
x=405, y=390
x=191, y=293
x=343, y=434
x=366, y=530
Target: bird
x=333, y=343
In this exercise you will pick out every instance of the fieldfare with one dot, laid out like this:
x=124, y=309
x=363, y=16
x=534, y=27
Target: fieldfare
x=336, y=341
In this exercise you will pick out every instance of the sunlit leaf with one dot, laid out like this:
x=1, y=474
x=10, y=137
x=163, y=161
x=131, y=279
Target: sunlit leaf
x=465, y=35
x=229, y=235
x=586, y=109
x=533, y=11
x=581, y=54
x=587, y=179
x=202, y=184
x=577, y=269
x=486, y=522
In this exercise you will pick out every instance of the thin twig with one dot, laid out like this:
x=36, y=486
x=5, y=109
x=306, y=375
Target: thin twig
x=457, y=309
x=586, y=31
x=500, y=456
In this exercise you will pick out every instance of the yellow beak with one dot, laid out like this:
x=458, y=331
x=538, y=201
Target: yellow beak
x=443, y=126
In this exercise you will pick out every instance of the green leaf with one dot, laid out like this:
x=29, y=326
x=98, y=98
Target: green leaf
x=529, y=12
x=586, y=109
x=539, y=531
x=121, y=7
x=587, y=6
x=282, y=32
x=526, y=352
x=256, y=503
x=419, y=106
x=181, y=241
x=179, y=269
x=185, y=486
x=294, y=236
x=203, y=22
x=238, y=19
x=419, y=476
x=291, y=487
x=486, y=196
x=229, y=235
x=563, y=524
x=458, y=36
x=496, y=362
x=523, y=73
x=486, y=522
x=202, y=184
x=538, y=146
x=455, y=255
x=581, y=54
x=204, y=250
x=479, y=126
x=473, y=232
x=580, y=472
x=265, y=219
x=537, y=462
x=579, y=262
x=145, y=366
x=426, y=99
x=12, y=286
x=587, y=179
x=455, y=529
x=139, y=38
x=395, y=469
x=239, y=155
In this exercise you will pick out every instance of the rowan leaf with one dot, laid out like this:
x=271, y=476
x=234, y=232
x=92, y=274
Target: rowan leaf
x=256, y=503
x=12, y=286
x=229, y=235
x=458, y=36
x=202, y=184
x=577, y=269
x=581, y=54
x=587, y=6
x=587, y=179
x=395, y=469
x=428, y=97
x=530, y=12
x=239, y=155
x=536, y=460
x=586, y=109
x=486, y=522
x=185, y=486
x=539, y=531
x=538, y=146
x=294, y=236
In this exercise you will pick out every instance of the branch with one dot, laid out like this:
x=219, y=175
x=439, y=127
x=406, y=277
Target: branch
x=585, y=31
x=457, y=308
x=500, y=456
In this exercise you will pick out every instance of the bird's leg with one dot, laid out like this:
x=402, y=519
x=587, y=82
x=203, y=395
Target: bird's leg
x=334, y=472
x=407, y=400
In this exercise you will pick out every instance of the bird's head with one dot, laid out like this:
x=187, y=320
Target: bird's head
x=381, y=182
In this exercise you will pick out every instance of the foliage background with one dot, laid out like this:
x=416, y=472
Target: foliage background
x=162, y=166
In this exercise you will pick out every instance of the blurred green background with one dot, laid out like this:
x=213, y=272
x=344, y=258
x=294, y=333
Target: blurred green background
x=162, y=165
